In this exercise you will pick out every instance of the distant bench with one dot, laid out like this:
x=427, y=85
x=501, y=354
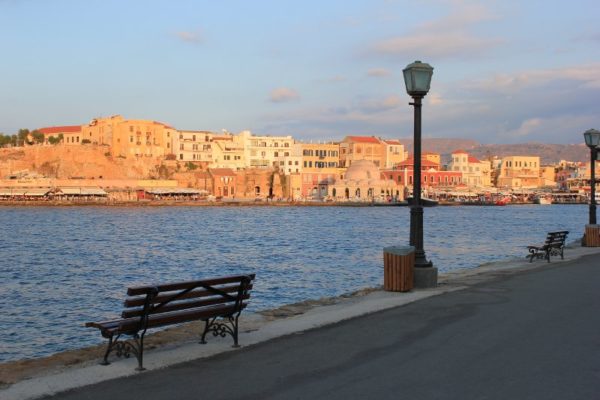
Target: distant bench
x=218, y=302
x=553, y=246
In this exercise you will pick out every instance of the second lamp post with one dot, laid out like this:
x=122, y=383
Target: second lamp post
x=417, y=77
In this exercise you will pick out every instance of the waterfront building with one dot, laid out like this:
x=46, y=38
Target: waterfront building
x=519, y=172
x=548, y=176
x=431, y=175
x=228, y=152
x=262, y=184
x=265, y=151
x=364, y=182
x=71, y=134
x=429, y=156
x=320, y=168
x=292, y=164
x=224, y=181
x=475, y=173
x=131, y=138
x=354, y=148
x=393, y=153
x=195, y=146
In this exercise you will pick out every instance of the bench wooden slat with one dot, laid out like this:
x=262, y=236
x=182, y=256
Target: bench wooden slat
x=162, y=297
x=180, y=305
x=139, y=290
x=132, y=325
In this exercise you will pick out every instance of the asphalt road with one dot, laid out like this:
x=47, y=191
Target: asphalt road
x=533, y=335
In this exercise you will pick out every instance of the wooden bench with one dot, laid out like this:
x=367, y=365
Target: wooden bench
x=553, y=246
x=218, y=302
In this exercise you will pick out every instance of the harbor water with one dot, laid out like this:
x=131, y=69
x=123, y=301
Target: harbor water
x=62, y=267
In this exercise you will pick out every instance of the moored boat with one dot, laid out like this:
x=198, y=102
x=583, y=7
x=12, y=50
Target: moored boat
x=543, y=199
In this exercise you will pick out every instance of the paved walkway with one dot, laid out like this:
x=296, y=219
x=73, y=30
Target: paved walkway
x=534, y=334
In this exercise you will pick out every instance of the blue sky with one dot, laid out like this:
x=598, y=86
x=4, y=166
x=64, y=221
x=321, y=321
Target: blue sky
x=505, y=71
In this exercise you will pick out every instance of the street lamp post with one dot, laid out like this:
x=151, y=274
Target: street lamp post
x=592, y=140
x=417, y=78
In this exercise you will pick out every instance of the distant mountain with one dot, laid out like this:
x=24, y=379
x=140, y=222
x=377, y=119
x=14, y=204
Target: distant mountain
x=548, y=153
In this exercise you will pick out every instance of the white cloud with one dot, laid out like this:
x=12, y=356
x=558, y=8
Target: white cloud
x=527, y=127
x=190, y=37
x=283, y=94
x=588, y=76
x=379, y=72
x=447, y=37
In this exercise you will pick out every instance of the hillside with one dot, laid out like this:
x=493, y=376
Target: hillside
x=548, y=153
x=64, y=162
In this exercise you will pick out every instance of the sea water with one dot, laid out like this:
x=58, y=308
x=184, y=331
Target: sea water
x=61, y=267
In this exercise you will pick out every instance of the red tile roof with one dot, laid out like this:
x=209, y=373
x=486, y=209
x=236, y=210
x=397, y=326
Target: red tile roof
x=363, y=139
x=392, y=141
x=473, y=160
x=459, y=152
x=60, y=129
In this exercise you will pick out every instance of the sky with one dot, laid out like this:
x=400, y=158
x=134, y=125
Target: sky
x=505, y=71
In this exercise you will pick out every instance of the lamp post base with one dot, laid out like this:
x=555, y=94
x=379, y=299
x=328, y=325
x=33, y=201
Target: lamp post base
x=425, y=277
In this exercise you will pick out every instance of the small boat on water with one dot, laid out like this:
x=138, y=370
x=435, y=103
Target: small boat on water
x=425, y=201
x=503, y=201
x=543, y=199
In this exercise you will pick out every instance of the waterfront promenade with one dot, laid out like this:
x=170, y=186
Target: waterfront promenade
x=505, y=330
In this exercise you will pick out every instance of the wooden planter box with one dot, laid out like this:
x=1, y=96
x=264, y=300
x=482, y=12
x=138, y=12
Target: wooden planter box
x=592, y=235
x=398, y=268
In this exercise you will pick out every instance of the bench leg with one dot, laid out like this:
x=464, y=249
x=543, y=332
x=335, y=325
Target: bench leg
x=206, y=326
x=124, y=348
x=225, y=326
x=140, y=353
x=108, y=350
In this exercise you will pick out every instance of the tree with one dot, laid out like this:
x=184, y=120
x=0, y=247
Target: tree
x=22, y=136
x=38, y=137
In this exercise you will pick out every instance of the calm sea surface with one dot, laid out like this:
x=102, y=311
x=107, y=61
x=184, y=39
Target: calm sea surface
x=61, y=267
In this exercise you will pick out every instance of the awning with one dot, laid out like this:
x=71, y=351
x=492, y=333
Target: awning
x=172, y=191
x=81, y=191
x=12, y=192
x=38, y=192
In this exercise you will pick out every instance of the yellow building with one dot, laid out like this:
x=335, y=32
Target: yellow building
x=520, y=172
x=227, y=152
x=195, y=146
x=354, y=148
x=475, y=173
x=131, y=138
x=433, y=157
x=548, y=176
x=393, y=153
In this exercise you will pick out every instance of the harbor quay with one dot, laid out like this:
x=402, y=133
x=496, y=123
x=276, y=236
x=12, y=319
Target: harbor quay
x=509, y=329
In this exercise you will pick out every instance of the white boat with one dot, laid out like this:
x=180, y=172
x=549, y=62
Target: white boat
x=543, y=199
